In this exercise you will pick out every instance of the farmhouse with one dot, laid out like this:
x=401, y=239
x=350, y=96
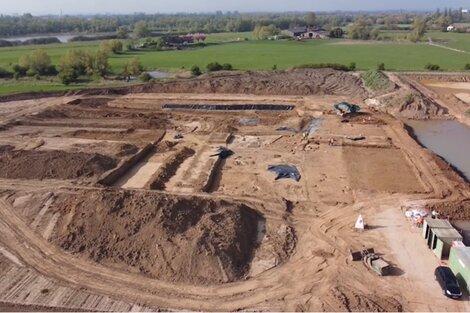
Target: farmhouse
x=319, y=34
x=307, y=33
x=296, y=31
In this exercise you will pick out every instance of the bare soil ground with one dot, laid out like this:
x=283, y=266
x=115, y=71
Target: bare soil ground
x=22, y=164
x=106, y=208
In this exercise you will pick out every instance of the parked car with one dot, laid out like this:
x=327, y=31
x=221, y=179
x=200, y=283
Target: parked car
x=448, y=282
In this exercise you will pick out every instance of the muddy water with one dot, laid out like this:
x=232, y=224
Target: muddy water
x=448, y=139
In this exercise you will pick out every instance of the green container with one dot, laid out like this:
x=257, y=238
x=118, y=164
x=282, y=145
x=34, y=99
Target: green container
x=459, y=263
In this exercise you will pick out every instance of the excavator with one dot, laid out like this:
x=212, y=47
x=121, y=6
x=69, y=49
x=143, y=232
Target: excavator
x=345, y=108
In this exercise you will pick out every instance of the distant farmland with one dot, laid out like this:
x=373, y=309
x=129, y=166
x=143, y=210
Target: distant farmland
x=264, y=55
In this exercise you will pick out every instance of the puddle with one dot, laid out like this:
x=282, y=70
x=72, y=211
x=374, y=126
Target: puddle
x=313, y=126
x=448, y=139
x=249, y=121
x=158, y=74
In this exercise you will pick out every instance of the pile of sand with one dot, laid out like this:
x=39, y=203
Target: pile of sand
x=343, y=299
x=90, y=102
x=29, y=164
x=191, y=239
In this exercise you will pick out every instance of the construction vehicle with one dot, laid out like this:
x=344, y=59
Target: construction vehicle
x=371, y=260
x=344, y=108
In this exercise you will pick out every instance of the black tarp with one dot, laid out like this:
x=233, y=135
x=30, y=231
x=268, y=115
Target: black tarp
x=222, y=153
x=285, y=171
x=229, y=107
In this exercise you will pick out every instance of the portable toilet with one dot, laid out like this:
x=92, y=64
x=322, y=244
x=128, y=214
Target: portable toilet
x=463, y=227
x=434, y=223
x=442, y=241
x=459, y=263
x=429, y=224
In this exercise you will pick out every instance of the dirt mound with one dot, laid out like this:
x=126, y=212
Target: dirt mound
x=193, y=240
x=123, y=135
x=413, y=105
x=419, y=107
x=343, y=299
x=295, y=82
x=430, y=78
x=292, y=82
x=90, y=102
x=453, y=210
x=25, y=164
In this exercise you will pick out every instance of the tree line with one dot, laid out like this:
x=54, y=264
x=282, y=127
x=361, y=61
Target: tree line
x=28, y=24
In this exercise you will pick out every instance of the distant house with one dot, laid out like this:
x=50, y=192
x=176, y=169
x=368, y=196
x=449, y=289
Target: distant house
x=450, y=28
x=307, y=33
x=320, y=34
x=296, y=31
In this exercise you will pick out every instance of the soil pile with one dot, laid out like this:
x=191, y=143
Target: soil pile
x=343, y=299
x=193, y=240
x=26, y=164
x=292, y=82
x=453, y=210
x=413, y=105
x=295, y=82
x=123, y=135
x=418, y=106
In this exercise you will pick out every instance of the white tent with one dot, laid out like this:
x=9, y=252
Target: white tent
x=359, y=223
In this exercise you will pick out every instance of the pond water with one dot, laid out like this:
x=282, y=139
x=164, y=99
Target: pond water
x=448, y=139
x=158, y=74
x=61, y=37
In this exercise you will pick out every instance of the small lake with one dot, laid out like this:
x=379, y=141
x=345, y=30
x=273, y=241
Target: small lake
x=448, y=139
x=158, y=74
x=61, y=37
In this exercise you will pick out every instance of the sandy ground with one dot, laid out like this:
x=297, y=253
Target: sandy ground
x=133, y=237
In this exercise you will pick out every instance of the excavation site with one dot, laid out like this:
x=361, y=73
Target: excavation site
x=230, y=191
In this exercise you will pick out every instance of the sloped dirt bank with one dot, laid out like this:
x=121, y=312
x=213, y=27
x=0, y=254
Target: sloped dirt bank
x=187, y=239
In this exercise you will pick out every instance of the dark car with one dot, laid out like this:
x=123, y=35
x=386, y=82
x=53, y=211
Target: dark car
x=448, y=282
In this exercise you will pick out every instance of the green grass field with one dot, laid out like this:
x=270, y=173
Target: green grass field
x=263, y=55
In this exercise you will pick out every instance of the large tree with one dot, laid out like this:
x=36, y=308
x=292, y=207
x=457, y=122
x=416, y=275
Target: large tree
x=264, y=32
x=141, y=29
x=418, y=29
x=360, y=29
x=37, y=62
x=310, y=19
x=133, y=67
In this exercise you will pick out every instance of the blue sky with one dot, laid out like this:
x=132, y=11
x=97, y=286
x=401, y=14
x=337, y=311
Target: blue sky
x=153, y=6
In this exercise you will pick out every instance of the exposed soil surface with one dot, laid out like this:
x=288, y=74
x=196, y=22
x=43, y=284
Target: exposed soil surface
x=293, y=82
x=221, y=235
x=26, y=164
x=175, y=239
x=453, y=210
x=124, y=135
x=342, y=299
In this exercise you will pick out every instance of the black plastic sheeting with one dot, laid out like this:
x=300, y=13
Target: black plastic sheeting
x=222, y=153
x=285, y=171
x=287, y=129
x=313, y=126
x=230, y=107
